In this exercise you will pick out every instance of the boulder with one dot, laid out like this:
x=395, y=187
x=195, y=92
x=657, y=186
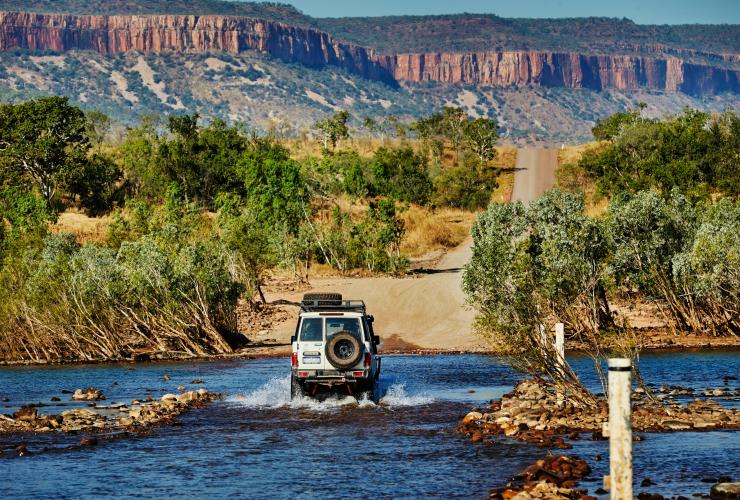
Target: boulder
x=126, y=421
x=725, y=490
x=187, y=397
x=25, y=414
x=470, y=417
x=89, y=394
x=88, y=441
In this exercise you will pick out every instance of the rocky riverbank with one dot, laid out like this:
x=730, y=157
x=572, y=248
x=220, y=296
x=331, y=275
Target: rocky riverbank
x=534, y=413
x=102, y=421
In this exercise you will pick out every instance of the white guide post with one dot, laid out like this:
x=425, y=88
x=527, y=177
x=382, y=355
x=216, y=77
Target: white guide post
x=620, y=429
x=560, y=344
x=560, y=361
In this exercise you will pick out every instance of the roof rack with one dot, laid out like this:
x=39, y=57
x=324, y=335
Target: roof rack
x=333, y=305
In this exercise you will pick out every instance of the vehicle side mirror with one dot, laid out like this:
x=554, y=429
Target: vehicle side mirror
x=376, y=339
x=293, y=339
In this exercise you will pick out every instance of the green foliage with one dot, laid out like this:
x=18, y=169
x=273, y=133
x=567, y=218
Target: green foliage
x=276, y=191
x=24, y=211
x=201, y=160
x=533, y=264
x=333, y=129
x=98, y=126
x=550, y=262
x=373, y=243
x=609, y=128
x=44, y=140
x=684, y=257
x=170, y=290
x=480, y=136
x=95, y=182
x=693, y=152
x=401, y=174
x=468, y=187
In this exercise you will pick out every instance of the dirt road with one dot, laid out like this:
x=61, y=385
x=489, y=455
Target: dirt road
x=427, y=311
x=535, y=173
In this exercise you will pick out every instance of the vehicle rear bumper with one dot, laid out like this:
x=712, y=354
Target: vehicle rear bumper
x=331, y=377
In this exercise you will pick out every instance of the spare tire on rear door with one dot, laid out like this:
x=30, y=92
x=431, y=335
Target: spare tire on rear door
x=344, y=350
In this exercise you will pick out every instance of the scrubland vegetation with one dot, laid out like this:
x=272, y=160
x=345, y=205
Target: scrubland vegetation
x=668, y=234
x=182, y=219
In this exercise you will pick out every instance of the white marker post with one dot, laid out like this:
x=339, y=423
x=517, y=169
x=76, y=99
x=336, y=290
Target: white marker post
x=620, y=429
x=560, y=344
x=560, y=361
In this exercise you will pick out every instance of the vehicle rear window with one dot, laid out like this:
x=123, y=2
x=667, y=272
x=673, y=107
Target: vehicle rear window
x=311, y=330
x=334, y=325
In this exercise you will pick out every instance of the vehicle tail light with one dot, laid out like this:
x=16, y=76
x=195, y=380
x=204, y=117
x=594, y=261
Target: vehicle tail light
x=294, y=359
x=302, y=374
x=367, y=360
x=358, y=374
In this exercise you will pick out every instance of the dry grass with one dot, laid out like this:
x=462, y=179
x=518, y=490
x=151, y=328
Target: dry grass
x=571, y=154
x=569, y=176
x=434, y=230
x=506, y=156
x=86, y=229
x=365, y=146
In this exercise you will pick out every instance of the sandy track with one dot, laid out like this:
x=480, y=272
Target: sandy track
x=427, y=311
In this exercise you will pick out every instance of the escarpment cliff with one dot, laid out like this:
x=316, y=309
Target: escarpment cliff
x=115, y=34
x=571, y=70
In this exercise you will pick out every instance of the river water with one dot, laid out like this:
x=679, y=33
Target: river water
x=257, y=444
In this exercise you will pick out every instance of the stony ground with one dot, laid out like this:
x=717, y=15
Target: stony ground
x=534, y=413
x=101, y=421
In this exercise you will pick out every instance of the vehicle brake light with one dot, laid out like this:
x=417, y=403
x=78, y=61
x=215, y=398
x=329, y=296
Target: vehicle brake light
x=302, y=374
x=358, y=374
x=367, y=360
x=294, y=359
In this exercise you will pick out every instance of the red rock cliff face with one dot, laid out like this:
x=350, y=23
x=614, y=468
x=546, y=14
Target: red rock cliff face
x=570, y=70
x=115, y=34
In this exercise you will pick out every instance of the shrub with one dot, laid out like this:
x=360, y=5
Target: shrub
x=401, y=174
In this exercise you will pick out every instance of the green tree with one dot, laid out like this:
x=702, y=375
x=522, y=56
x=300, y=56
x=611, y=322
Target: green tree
x=274, y=186
x=401, y=174
x=333, y=129
x=480, y=136
x=98, y=126
x=607, y=129
x=43, y=140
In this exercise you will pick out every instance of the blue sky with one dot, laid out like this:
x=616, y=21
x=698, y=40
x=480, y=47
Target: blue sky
x=640, y=11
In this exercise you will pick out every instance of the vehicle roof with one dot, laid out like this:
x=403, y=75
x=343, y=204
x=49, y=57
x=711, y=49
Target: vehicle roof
x=331, y=314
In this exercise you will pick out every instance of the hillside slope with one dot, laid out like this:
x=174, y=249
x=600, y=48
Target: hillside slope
x=544, y=81
x=265, y=93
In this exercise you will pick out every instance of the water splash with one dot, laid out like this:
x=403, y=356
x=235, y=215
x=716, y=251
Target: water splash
x=396, y=395
x=275, y=393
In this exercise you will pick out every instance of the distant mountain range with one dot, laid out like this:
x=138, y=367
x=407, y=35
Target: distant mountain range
x=479, y=57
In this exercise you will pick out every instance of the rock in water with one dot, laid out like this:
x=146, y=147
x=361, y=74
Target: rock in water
x=25, y=414
x=88, y=441
x=473, y=415
x=89, y=394
x=725, y=491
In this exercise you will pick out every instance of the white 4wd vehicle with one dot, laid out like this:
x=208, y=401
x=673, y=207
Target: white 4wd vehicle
x=334, y=348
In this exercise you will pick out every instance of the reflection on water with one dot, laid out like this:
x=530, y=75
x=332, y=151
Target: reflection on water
x=258, y=444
